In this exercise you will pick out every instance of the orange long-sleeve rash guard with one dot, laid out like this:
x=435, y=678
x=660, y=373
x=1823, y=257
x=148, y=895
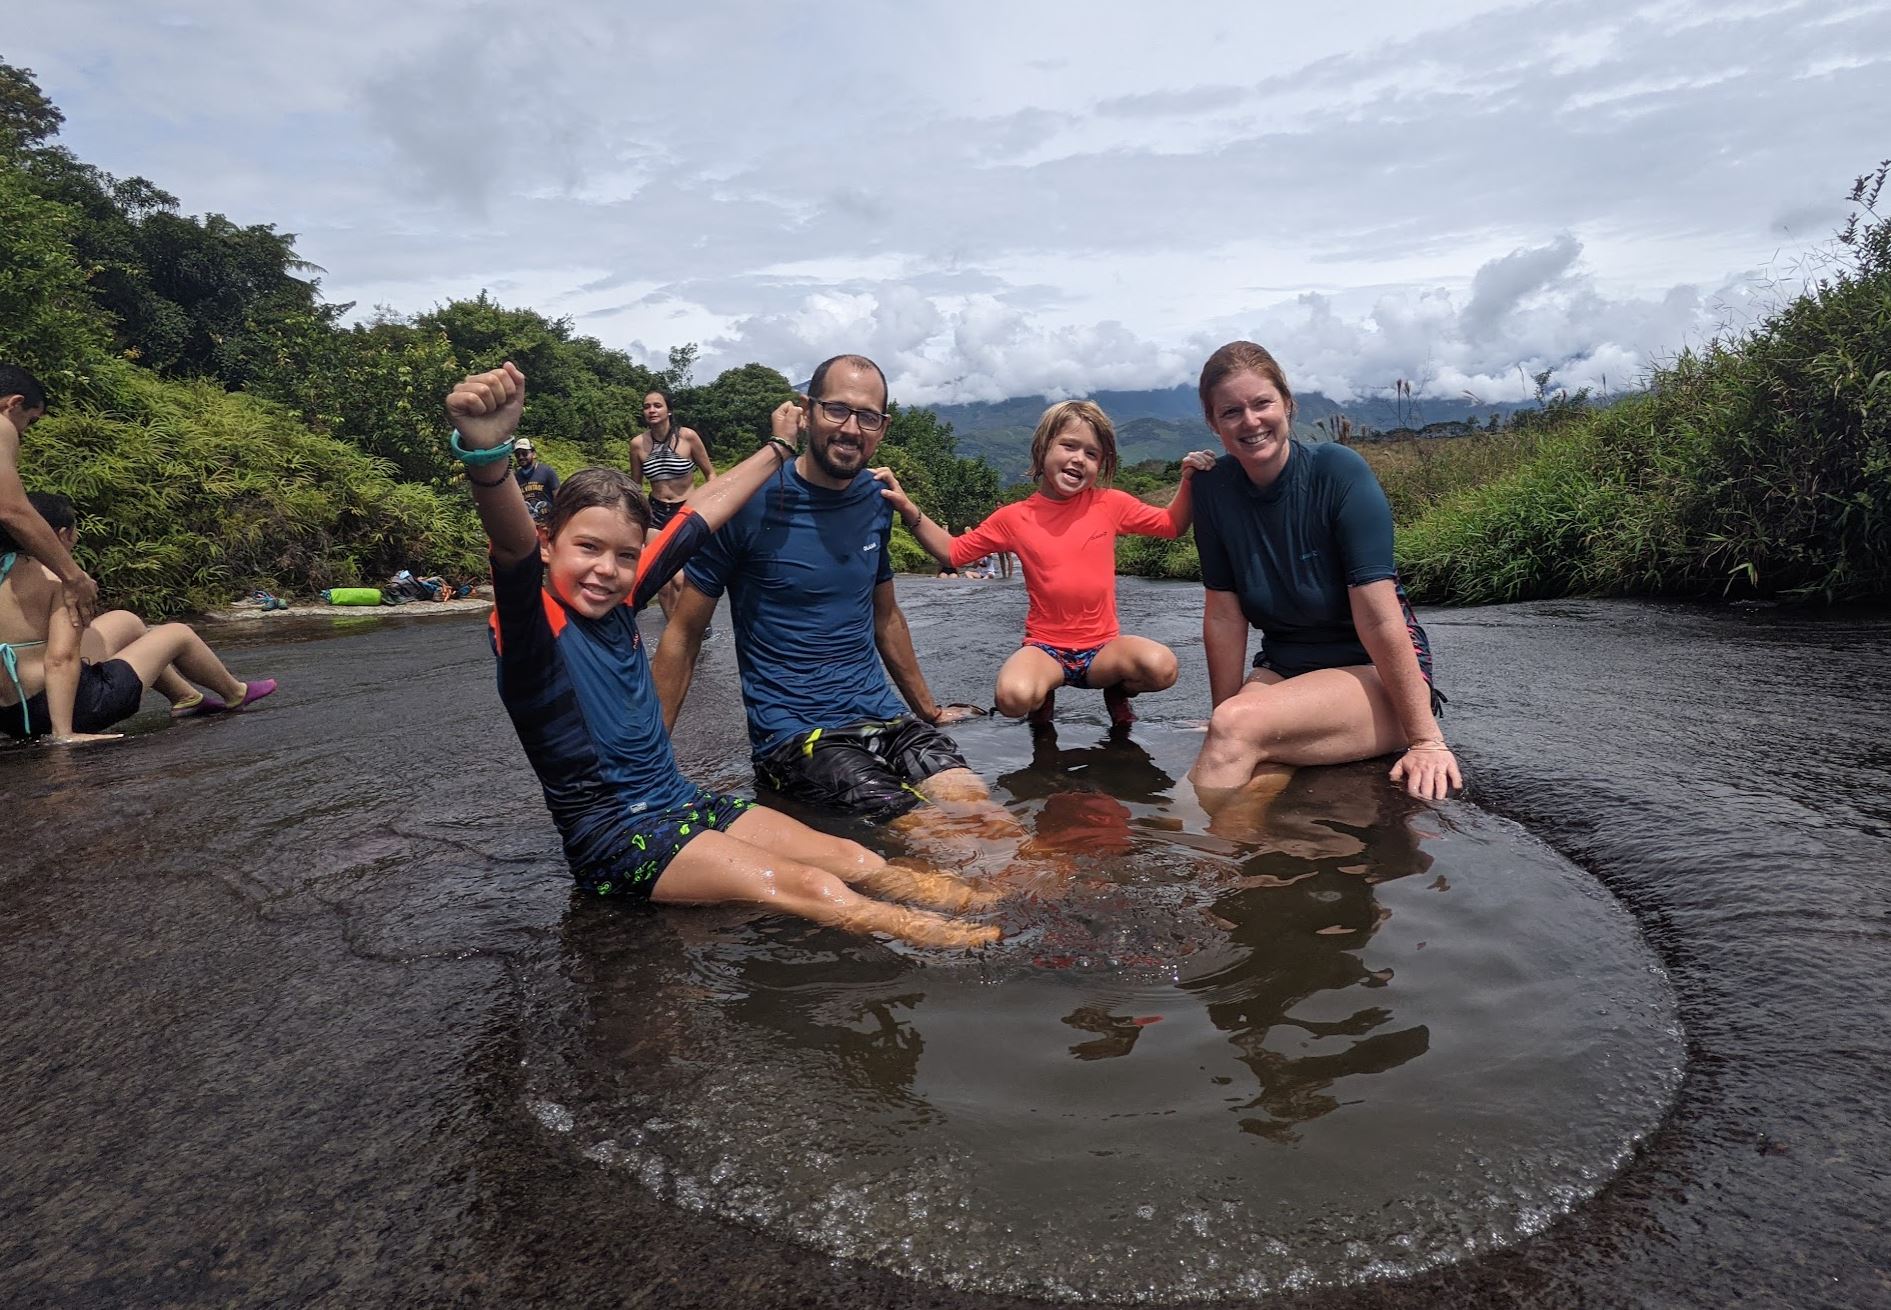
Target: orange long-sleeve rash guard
x=1068, y=550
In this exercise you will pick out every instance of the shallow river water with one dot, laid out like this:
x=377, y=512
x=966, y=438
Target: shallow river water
x=301, y=1008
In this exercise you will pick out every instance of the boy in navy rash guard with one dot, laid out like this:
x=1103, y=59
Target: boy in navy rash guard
x=576, y=683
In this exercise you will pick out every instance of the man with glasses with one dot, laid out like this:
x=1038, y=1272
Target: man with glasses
x=817, y=628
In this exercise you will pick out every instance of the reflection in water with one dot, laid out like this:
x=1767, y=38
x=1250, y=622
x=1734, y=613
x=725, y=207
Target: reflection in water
x=1224, y=1070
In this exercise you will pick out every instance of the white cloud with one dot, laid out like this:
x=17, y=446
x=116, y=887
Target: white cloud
x=1006, y=199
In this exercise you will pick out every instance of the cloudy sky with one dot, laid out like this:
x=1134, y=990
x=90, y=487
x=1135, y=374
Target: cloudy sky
x=1024, y=197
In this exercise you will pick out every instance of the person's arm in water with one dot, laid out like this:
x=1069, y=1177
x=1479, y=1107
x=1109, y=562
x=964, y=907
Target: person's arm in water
x=36, y=537
x=932, y=538
x=1224, y=643
x=1427, y=769
x=673, y=666
x=63, y=637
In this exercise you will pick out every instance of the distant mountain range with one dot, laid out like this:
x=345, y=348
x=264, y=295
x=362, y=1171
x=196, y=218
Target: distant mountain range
x=1168, y=424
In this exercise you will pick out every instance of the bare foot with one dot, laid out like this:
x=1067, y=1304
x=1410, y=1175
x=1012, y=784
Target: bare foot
x=1116, y=701
x=902, y=881
x=920, y=927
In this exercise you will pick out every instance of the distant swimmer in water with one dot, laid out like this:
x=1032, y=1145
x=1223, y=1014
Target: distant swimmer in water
x=667, y=455
x=1296, y=540
x=1065, y=535
x=66, y=684
x=575, y=682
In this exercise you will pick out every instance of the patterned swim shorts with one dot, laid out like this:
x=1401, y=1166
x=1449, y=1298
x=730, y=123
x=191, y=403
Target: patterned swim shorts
x=1076, y=663
x=654, y=840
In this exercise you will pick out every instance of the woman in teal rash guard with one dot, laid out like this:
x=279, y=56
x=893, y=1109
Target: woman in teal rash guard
x=1296, y=540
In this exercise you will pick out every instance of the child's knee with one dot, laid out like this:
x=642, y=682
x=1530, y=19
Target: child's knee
x=1017, y=697
x=804, y=885
x=1159, y=668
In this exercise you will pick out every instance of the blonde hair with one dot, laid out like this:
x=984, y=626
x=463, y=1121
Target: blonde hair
x=1062, y=415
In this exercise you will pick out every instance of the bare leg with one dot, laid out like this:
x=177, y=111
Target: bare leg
x=1129, y=666
x=719, y=867
x=966, y=822
x=855, y=865
x=114, y=630
x=177, y=643
x=1329, y=716
x=1025, y=680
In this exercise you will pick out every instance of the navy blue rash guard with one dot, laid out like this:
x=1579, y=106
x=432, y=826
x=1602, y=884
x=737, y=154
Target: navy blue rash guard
x=800, y=564
x=580, y=696
x=1291, y=550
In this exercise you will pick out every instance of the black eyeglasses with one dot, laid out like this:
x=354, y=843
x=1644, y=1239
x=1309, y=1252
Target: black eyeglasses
x=870, y=420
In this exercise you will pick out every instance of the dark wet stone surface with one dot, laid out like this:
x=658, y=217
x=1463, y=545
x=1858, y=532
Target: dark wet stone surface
x=267, y=1034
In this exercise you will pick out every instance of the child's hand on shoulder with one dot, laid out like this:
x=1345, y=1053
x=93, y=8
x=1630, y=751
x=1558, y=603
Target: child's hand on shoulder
x=896, y=495
x=1197, y=461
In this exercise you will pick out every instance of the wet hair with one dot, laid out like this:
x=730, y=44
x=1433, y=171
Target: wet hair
x=819, y=380
x=16, y=381
x=1062, y=415
x=595, y=488
x=1241, y=357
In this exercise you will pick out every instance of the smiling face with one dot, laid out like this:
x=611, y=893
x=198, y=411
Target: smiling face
x=841, y=450
x=1072, y=459
x=1254, y=422
x=591, y=564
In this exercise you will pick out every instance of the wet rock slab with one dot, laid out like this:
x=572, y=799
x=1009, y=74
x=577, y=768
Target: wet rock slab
x=272, y=1029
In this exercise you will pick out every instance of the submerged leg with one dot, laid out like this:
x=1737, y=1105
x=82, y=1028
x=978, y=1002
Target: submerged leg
x=855, y=865
x=718, y=867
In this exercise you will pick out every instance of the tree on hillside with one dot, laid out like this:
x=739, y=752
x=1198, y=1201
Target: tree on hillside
x=732, y=412
x=964, y=490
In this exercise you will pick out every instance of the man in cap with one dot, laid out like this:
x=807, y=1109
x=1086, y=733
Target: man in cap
x=537, y=480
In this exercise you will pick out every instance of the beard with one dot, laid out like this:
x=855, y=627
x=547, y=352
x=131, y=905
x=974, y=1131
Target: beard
x=846, y=466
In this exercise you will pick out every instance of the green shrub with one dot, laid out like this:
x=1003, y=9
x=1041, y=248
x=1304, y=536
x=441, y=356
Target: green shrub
x=1757, y=465
x=189, y=494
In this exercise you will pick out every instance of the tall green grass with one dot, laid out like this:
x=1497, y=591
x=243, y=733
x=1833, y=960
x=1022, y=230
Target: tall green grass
x=1759, y=465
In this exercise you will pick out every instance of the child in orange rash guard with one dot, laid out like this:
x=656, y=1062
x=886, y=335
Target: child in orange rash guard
x=1065, y=537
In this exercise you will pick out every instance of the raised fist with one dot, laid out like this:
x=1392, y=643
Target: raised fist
x=486, y=406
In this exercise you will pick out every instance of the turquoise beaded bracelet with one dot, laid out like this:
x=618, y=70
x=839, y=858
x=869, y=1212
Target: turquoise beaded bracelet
x=475, y=458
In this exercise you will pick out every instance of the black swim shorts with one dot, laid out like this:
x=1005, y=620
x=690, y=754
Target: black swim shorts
x=653, y=841
x=662, y=511
x=867, y=771
x=108, y=693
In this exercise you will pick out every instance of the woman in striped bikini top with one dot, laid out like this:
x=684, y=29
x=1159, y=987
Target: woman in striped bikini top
x=666, y=454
